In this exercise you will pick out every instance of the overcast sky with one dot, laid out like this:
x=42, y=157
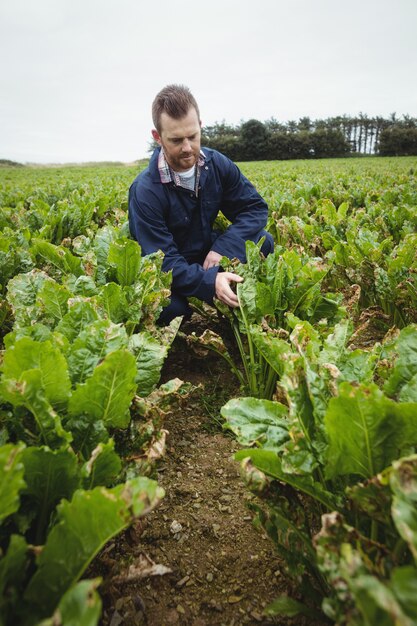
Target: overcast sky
x=78, y=76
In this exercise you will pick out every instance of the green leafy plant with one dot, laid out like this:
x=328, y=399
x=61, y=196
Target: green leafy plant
x=286, y=282
x=323, y=451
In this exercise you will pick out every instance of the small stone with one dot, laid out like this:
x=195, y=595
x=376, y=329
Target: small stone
x=180, y=609
x=182, y=582
x=234, y=599
x=175, y=527
x=256, y=616
x=209, y=577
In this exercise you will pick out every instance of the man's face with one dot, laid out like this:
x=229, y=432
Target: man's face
x=180, y=140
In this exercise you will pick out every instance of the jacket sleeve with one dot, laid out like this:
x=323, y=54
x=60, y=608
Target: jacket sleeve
x=244, y=208
x=147, y=225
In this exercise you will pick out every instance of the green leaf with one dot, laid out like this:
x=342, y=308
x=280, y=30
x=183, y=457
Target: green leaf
x=53, y=300
x=79, y=606
x=26, y=354
x=28, y=392
x=269, y=463
x=113, y=300
x=285, y=522
x=22, y=291
x=405, y=366
x=126, y=258
x=373, y=497
x=376, y=602
x=257, y=421
x=93, y=343
x=334, y=346
x=104, y=237
x=404, y=587
x=107, y=394
x=81, y=285
x=284, y=605
x=37, y=332
x=149, y=294
x=403, y=481
x=57, y=256
x=12, y=578
x=246, y=293
x=366, y=431
x=103, y=466
x=408, y=392
x=150, y=355
x=273, y=349
x=50, y=476
x=358, y=366
x=83, y=527
x=80, y=314
x=11, y=478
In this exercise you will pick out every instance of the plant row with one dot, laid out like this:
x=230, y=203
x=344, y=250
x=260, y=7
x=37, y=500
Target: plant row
x=81, y=417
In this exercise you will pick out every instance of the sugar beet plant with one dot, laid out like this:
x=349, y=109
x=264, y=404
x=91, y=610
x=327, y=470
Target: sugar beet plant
x=80, y=416
x=337, y=452
x=286, y=282
x=332, y=456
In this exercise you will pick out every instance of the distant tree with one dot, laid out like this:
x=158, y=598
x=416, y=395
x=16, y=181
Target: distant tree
x=332, y=137
x=228, y=145
x=220, y=129
x=300, y=145
x=398, y=141
x=254, y=140
x=327, y=143
x=279, y=146
x=292, y=126
x=273, y=126
x=305, y=123
x=9, y=163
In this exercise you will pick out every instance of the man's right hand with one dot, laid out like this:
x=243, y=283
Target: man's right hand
x=223, y=290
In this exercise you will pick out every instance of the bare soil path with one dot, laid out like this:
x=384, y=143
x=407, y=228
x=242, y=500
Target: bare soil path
x=224, y=571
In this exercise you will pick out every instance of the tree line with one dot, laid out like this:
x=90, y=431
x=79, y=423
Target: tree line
x=333, y=137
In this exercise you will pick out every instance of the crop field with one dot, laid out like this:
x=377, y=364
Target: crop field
x=316, y=395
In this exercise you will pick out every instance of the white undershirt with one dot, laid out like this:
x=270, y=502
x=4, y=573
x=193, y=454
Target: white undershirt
x=186, y=179
x=188, y=173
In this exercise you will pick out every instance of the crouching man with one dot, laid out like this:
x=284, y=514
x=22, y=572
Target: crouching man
x=174, y=202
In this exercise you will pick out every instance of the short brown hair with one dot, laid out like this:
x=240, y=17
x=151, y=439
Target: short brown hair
x=175, y=101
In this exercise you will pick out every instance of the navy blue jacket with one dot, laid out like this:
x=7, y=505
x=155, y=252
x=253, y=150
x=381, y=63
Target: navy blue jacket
x=163, y=216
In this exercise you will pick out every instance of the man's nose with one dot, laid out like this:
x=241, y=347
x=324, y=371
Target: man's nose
x=186, y=145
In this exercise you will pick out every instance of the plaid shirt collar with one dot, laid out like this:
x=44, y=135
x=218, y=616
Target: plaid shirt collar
x=166, y=173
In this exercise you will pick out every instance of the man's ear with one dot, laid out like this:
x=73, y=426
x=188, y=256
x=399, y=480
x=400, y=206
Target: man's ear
x=156, y=136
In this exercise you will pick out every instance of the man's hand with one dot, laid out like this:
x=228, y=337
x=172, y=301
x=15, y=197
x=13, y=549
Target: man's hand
x=223, y=290
x=211, y=260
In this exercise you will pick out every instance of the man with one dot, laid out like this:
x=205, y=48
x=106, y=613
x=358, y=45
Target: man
x=174, y=202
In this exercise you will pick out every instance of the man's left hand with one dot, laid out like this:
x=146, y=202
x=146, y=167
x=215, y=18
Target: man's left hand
x=211, y=260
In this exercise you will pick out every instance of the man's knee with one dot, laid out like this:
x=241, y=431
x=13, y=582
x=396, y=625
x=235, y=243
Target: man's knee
x=178, y=306
x=268, y=245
